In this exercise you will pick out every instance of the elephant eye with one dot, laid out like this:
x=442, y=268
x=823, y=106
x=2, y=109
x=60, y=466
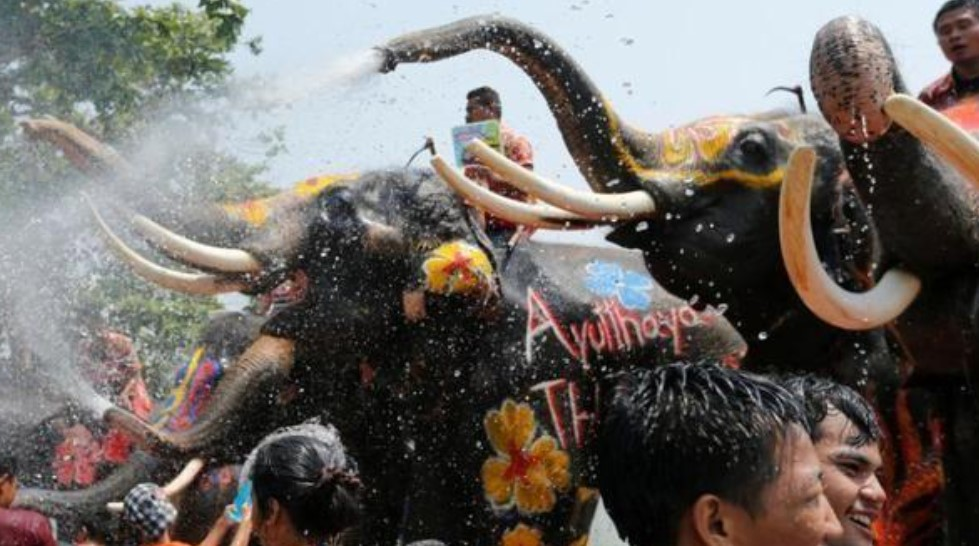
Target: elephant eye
x=754, y=147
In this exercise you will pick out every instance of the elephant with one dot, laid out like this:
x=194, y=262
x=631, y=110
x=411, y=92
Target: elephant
x=474, y=379
x=702, y=201
x=915, y=169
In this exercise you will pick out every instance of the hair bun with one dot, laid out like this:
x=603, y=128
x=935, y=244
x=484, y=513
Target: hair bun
x=339, y=476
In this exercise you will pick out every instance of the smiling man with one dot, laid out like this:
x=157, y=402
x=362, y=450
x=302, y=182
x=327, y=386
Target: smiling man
x=701, y=455
x=846, y=436
x=956, y=26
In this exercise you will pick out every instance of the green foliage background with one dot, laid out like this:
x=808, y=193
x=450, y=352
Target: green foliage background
x=114, y=71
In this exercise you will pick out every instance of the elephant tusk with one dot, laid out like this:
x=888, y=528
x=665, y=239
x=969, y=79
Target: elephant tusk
x=184, y=478
x=538, y=216
x=839, y=307
x=631, y=205
x=946, y=138
x=187, y=283
x=81, y=149
x=178, y=247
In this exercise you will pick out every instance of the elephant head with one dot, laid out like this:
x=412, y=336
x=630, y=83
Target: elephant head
x=700, y=200
x=922, y=196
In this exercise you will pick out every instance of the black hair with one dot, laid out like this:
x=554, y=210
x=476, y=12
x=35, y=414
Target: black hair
x=817, y=394
x=317, y=486
x=487, y=96
x=677, y=432
x=8, y=464
x=952, y=5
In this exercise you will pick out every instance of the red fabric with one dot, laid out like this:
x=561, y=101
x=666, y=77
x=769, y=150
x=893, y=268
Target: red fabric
x=517, y=149
x=940, y=94
x=24, y=528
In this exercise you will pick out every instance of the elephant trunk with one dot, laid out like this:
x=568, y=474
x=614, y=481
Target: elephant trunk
x=69, y=505
x=249, y=381
x=911, y=191
x=604, y=149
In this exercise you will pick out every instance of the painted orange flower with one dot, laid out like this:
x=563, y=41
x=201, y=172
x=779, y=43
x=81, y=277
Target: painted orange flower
x=525, y=471
x=457, y=268
x=521, y=535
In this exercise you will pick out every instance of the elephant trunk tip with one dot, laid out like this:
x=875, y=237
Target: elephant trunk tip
x=389, y=60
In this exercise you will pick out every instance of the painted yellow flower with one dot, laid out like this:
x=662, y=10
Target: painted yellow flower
x=311, y=187
x=457, y=268
x=521, y=535
x=525, y=471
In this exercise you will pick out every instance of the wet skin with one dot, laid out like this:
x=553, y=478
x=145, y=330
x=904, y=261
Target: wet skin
x=794, y=509
x=8, y=490
x=850, y=466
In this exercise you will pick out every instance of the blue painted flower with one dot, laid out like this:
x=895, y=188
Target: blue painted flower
x=608, y=279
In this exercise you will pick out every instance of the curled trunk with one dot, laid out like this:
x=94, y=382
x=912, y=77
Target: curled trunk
x=69, y=506
x=247, y=385
x=602, y=146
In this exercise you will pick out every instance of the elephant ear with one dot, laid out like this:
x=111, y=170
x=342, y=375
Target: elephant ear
x=457, y=268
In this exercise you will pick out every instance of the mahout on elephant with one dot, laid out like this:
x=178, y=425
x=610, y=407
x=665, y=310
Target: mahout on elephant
x=701, y=202
x=483, y=406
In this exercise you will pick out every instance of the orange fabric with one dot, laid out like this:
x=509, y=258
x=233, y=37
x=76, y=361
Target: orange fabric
x=517, y=149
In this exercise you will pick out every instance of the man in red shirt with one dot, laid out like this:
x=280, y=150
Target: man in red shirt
x=19, y=527
x=956, y=26
x=483, y=104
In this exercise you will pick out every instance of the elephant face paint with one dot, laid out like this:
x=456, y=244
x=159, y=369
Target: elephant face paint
x=736, y=149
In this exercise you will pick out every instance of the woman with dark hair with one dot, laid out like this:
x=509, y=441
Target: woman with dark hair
x=305, y=489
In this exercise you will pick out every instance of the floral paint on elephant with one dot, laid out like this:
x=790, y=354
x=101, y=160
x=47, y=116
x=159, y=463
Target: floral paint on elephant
x=457, y=268
x=528, y=469
x=257, y=211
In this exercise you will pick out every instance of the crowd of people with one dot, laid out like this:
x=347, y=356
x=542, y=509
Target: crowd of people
x=691, y=454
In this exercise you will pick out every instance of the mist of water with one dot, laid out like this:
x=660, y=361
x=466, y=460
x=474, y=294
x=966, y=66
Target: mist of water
x=287, y=89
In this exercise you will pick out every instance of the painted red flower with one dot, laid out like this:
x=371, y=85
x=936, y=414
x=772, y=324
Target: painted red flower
x=77, y=457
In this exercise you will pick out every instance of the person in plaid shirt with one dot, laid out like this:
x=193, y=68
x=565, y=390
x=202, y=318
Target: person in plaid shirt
x=483, y=104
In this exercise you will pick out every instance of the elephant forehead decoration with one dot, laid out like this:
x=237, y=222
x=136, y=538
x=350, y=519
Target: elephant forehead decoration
x=703, y=152
x=256, y=212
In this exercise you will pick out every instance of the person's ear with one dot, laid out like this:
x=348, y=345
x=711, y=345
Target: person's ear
x=712, y=520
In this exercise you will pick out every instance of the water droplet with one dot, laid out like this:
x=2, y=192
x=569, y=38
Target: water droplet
x=762, y=336
x=698, y=228
x=729, y=238
x=642, y=226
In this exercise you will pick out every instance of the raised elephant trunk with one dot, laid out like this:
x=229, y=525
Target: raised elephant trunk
x=911, y=190
x=603, y=148
x=263, y=365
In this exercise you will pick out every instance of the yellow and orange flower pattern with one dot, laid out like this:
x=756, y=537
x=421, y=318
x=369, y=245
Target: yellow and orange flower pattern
x=457, y=268
x=526, y=471
x=521, y=535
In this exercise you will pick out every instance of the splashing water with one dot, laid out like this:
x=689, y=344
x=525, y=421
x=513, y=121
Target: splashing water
x=288, y=89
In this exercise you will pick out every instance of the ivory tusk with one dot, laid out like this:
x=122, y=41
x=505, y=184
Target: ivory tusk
x=187, y=283
x=849, y=310
x=83, y=150
x=942, y=135
x=178, y=247
x=631, y=205
x=184, y=478
x=538, y=216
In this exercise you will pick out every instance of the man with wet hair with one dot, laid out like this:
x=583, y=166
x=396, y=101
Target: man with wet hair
x=699, y=454
x=956, y=26
x=847, y=437
x=19, y=527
